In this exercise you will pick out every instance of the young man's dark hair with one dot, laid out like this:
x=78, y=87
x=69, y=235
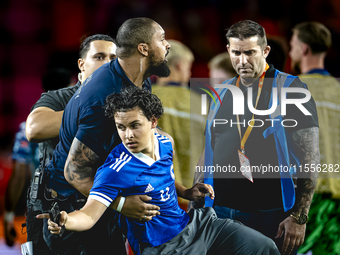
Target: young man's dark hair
x=56, y=79
x=315, y=34
x=132, y=97
x=245, y=29
x=85, y=44
x=133, y=32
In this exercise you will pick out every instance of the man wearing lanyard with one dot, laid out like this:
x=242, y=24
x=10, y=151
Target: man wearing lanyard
x=258, y=152
x=309, y=46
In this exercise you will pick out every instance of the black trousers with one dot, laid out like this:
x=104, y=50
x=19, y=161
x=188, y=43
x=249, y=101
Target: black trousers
x=34, y=226
x=207, y=234
x=104, y=238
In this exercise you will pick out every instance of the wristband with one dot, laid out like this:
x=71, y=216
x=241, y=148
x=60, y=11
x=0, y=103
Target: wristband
x=9, y=216
x=120, y=205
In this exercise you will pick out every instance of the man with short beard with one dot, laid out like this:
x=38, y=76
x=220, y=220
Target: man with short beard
x=87, y=137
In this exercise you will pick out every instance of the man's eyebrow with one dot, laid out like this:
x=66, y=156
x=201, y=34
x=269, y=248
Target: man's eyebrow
x=245, y=51
x=134, y=122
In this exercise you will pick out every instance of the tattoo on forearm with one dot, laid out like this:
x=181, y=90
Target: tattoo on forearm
x=198, y=178
x=81, y=164
x=306, y=143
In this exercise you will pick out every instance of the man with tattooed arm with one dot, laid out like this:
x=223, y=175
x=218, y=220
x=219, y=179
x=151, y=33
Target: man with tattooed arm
x=87, y=136
x=266, y=150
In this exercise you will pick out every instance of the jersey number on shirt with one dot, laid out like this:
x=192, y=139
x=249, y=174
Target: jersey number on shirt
x=166, y=194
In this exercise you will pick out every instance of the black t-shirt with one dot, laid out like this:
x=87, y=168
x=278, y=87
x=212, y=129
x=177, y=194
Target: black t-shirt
x=57, y=101
x=232, y=189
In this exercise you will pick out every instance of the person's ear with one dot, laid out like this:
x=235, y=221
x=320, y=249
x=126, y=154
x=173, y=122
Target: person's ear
x=228, y=48
x=305, y=48
x=178, y=65
x=81, y=64
x=143, y=49
x=154, y=122
x=266, y=51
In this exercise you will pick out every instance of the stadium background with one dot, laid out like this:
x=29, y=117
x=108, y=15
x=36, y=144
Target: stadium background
x=36, y=35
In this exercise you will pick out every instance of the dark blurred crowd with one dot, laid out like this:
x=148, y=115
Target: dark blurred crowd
x=36, y=35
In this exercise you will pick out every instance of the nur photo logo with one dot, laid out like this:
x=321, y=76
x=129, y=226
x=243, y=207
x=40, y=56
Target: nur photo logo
x=278, y=106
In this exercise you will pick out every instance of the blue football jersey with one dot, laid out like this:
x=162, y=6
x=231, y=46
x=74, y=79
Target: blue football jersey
x=125, y=174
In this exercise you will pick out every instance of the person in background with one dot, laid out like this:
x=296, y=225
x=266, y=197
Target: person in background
x=220, y=68
x=181, y=113
x=277, y=56
x=310, y=43
x=26, y=158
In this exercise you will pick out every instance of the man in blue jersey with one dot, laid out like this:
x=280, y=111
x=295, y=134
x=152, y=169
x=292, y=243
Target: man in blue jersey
x=87, y=137
x=142, y=164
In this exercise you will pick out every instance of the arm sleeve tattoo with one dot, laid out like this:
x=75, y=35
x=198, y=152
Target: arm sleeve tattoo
x=81, y=166
x=306, y=144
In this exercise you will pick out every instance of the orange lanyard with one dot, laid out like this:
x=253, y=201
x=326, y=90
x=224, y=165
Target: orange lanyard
x=251, y=124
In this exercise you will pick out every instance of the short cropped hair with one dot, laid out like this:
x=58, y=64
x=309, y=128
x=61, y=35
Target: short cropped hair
x=133, y=32
x=315, y=34
x=245, y=29
x=222, y=61
x=178, y=52
x=56, y=78
x=132, y=97
x=85, y=43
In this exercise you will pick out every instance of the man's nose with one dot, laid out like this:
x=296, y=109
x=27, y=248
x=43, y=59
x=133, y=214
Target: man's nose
x=129, y=133
x=290, y=53
x=168, y=46
x=243, y=59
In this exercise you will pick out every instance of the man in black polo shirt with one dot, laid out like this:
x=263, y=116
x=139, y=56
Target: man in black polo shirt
x=263, y=199
x=43, y=123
